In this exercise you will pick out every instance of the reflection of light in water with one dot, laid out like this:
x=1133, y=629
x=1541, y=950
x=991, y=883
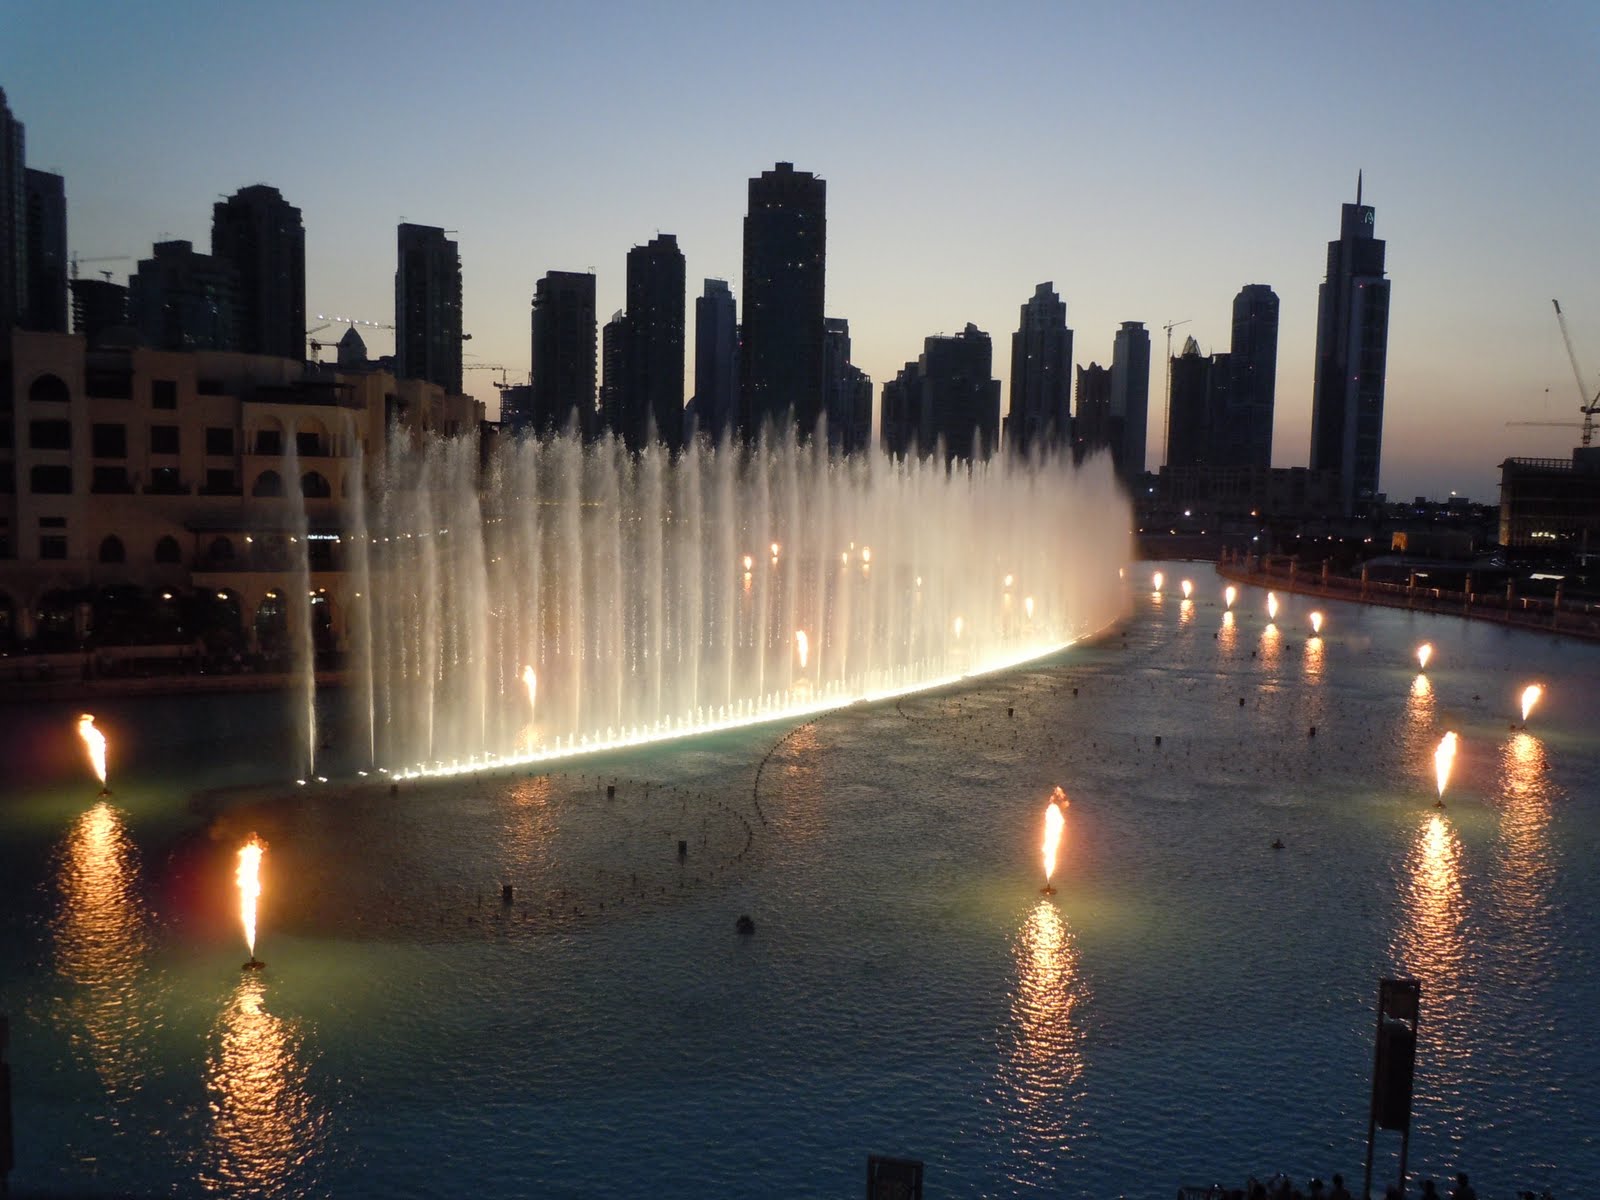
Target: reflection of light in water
x=264, y=1119
x=100, y=945
x=1521, y=885
x=1229, y=633
x=1042, y=1072
x=1271, y=644
x=1430, y=944
x=1419, y=717
x=1313, y=658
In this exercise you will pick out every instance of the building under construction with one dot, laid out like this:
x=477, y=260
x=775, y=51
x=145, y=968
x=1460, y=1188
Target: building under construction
x=1550, y=507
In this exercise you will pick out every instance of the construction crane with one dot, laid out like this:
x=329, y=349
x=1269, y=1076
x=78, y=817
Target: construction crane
x=329, y=322
x=1588, y=407
x=501, y=383
x=97, y=258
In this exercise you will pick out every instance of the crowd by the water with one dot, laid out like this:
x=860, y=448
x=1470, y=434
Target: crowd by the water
x=1281, y=1187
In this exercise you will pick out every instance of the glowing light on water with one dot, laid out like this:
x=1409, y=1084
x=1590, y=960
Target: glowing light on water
x=1055, y=821
x=1027, y=606
x=802, y=647
x=959, y=624
x=1272, y=606
x=1188, y=588
x=1530, y=697
x=1443, y=759
x=1316, y=622
x=530, y=679
x=1424, y=653
x=249, y=879
x=95, y=743
x=1158, y=579
x=1229, y=595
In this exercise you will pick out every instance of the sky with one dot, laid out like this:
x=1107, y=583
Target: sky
x=1148, y=159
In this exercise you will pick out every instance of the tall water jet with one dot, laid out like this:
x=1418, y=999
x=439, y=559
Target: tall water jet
x=94, y=742
x=654, y=595
x=248, y=877
x=304, y=662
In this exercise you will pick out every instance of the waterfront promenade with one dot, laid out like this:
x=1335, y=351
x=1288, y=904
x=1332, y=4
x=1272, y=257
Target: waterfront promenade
x=1505, y=607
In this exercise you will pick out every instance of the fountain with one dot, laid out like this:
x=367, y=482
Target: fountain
x=626, y=585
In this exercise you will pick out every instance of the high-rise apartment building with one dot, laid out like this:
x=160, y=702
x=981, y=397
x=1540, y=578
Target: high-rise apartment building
x=13, y=220
x=563, y=382
x=1352, y=348
x=261, y=235
x=716, y=360
x=180, y=300
x=946, y=399
x=427, y=308
x=1130, y=398
x=847, y=391
x=46, y=201
x=652, y=395
x=1189, y=424
x=1253, y=374
x=614, y=366
x=780, y=352
x=1040, y=417
x=1091, y=420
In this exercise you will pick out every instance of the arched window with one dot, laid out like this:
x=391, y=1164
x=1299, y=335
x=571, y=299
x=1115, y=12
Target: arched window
x=111, y=550
x=49, y=389
x=268, y=483
x=168, y=550
x=314, y=486
x=221, y=550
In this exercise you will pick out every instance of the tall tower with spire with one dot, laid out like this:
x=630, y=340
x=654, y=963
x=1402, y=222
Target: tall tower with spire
x=1352, y=351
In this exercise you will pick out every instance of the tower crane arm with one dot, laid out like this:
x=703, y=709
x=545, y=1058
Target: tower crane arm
x=1587, y=406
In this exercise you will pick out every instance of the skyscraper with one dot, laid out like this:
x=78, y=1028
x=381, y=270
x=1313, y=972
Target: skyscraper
x=847, y=391
x=946, y=398
x=1041, y=375
x=614, y=366
x=780, y=353
x=563, y=383
x=1091, y=422
x=1189, y=431
x=261, y=235
x=427, y=307
x=180, y=300
x=13, y=220
x=652, y=397
x=1130, y=399
x=46, y=253
x=1352, y=346
x=1252, y=384
x=716, y=360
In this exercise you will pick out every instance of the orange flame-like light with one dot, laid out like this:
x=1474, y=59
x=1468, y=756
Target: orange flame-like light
x=1530, y=697
x=1272, y=606
x=95, y=742
x=802, y=647
x=1316, y=622
x=1229, y=595
x=1055, y=822
x=1443, y=759
x=1424, y=653
x=1027, y=606
x=1188, y=588
x=1158, y=579
x=249, y=878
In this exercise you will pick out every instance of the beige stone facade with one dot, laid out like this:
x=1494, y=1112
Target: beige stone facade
x=186, y=475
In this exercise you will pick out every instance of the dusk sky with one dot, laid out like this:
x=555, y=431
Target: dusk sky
x=1148, y=159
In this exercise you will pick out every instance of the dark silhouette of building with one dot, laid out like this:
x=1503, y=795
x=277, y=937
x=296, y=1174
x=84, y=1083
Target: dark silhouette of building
x=1352, y=349
x=716, y=361
x=1091, y=423
x=780, y=352
x=98, y=307
x=180, y=300
x=1130, y=398
x=1189, y=425
x=562, y=387
x=352, y=351
x=613, y=361
x=1550, y=508
x=47, y=252
x=13, y=219
x=946, y=398
x=652, y=392
x=427, y=308
x=1253, y=378
x=261, y=235
x=847, y=392
x=1040, y=418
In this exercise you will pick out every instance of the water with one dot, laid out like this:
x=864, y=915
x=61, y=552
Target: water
x=1190, y=1006
x=648, y=595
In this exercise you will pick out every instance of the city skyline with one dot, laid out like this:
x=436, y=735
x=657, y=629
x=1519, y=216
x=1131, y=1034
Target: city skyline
x=1145, y=188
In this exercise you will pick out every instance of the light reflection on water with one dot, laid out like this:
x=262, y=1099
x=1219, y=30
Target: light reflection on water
x=1521, y=886
x=1041, y=1074
x=1430, y=947
x=1313, y=659
x=266, y=1123
x=101, y=940
x=1229, y=633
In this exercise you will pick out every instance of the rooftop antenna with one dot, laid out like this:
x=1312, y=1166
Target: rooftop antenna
x=1358, y=186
